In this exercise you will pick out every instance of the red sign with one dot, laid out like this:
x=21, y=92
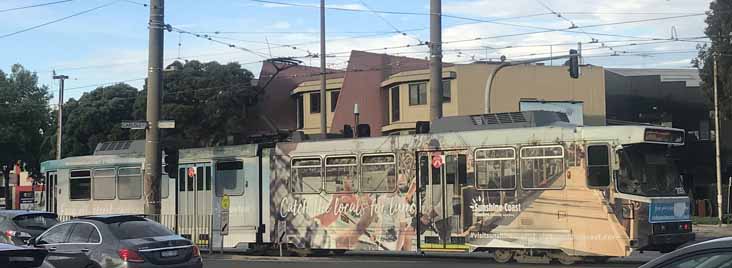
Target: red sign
x=437, y=161
x=191, y=172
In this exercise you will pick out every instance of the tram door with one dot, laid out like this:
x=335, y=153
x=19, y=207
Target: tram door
x=51, y=180
x=194, y=202
x=442, y=176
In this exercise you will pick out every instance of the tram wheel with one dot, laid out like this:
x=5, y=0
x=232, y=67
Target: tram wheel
x=503, y=255
x=565, y=259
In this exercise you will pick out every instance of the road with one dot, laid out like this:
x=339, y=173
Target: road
x=229, y=261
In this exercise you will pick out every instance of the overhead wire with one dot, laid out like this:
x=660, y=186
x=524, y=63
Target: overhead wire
x=33, y=6
x=59, y=20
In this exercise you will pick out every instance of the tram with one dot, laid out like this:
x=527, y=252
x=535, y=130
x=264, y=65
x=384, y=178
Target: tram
x=525, y=186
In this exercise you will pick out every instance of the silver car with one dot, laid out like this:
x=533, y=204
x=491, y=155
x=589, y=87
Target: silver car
x=715, y=253
x=112, y=241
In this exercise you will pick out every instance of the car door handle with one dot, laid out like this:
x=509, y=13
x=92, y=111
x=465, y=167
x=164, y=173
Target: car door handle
x=85, y=250
x=52, y=249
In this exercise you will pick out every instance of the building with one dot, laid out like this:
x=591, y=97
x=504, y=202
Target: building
x=392, y=92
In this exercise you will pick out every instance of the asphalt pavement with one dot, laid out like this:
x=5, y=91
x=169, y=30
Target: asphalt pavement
x=233, y=261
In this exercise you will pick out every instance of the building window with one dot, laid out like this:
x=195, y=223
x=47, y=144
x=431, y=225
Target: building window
x=542, y=167
x=306, y=176
x=80, y=185
x=418, y=94
x=129, y=183
x=495, y=169
x=334, y=99
x=378, y=173
x=395, y=104
x=300, y=112
x=104, y=181
x=314, y=103
x=446, y=91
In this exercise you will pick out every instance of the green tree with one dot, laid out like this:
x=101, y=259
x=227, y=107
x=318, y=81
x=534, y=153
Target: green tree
x=25, y=121
x=95, y=118
x=719, y=30
x=208, y=102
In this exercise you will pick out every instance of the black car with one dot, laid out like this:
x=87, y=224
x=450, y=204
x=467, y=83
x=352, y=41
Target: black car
x=715, y=253
x=17, y=226
x=22, y=257
x=116, y=241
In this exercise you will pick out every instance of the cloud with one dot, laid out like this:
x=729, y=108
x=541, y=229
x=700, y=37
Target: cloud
x=281, y=25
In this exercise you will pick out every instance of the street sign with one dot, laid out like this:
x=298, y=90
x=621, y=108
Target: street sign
x=225, y=203
x=166, y=124
x=134, y=124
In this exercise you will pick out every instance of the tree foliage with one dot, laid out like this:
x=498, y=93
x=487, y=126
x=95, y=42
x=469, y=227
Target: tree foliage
x=95, y=118
x=208, y=102
x=719, y=30
x=25, y=118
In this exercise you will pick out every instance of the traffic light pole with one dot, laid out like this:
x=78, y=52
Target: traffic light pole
x=487, y=93
x=151, y=183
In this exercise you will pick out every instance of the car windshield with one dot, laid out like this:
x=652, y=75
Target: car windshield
x=648, y=170
x=36, y=221
x=132, y=229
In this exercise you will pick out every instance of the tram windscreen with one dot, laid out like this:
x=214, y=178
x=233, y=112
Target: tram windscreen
x=649, y=170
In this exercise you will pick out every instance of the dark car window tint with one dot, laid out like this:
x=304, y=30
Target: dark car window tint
x=36, y=221
x=84, y=233
x=138, y=229
x=55, y=235
x=709, y=260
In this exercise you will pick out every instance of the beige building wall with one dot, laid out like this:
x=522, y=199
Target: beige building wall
x=311, y=121
x=549, y=83
x=409, y=114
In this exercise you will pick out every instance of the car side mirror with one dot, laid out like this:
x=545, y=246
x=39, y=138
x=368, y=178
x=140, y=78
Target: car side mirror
x=23, y=235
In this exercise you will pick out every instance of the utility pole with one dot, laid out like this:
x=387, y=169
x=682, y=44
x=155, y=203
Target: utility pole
x=8, y=193
x=60, y=130
x=151, y=187
x=716, y=143
x=435, y=59
x=323, y=107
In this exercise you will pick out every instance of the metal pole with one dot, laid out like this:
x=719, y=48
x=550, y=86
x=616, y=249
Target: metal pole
x=323, y=108
x=154, y=87
x=435, y=59
x=6, y=175
x=356, y=113
x=60, y=130
x=716, y=144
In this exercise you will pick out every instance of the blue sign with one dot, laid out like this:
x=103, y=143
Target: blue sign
x=669, y=210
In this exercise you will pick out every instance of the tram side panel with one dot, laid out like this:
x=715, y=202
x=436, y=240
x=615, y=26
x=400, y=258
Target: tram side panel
x=309, y=212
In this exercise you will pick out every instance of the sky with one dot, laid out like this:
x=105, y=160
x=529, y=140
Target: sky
x=108, y=44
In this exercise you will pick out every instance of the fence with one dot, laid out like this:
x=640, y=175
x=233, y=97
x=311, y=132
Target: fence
x=196, y=228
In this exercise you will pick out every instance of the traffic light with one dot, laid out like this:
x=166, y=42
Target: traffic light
x=574, y=69
x=171, y=162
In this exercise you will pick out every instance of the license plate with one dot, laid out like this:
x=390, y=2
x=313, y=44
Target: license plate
x=169, y=253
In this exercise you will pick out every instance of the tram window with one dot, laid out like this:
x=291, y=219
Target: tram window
x=424, y=166
x=199, y=178
x=208, y=179
x=164, y=184
x=306, y=175
x=182, y=179
x=495, y=169
x=129, y=183
x=341, y=174
x=542, y=167
x=230, y=178
x=378, y=173
x=80, y=185
x=598, y=166
x=104, y=181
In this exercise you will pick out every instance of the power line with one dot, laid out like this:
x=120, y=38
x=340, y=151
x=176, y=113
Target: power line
x=387, y=21
x=58, y=20
x=207, y=37
x=32, y=6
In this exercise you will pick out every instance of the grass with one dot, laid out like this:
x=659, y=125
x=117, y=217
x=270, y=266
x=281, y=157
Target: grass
x=727, y=218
